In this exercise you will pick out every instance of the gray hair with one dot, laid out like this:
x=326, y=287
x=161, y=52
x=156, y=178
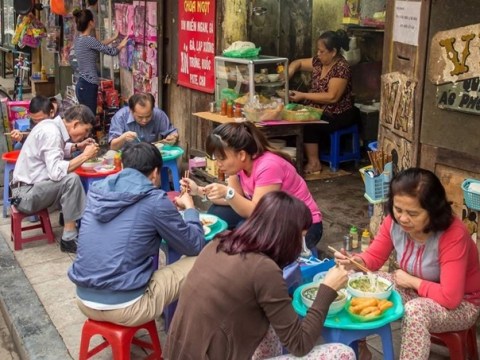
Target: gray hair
x=81, y=113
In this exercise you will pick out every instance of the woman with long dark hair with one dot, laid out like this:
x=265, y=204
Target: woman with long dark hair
x=87, y=49
x=235, y=290
x=254, y=168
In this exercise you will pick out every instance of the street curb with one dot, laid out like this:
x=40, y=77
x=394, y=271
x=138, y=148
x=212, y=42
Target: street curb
x=31, y=328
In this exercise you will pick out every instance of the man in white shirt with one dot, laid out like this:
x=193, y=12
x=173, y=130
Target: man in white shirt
x=43, y=178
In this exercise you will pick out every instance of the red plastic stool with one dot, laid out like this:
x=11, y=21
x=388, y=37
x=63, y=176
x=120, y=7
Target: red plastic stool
x=119, y=338
x=17, y=228
x=461, y=344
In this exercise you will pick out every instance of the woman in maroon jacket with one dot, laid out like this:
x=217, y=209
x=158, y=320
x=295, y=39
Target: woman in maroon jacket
x=236, y=290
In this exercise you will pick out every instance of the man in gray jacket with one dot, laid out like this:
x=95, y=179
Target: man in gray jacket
x=124, y=222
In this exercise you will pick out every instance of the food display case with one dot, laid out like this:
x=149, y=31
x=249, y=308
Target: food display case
x=244, y=78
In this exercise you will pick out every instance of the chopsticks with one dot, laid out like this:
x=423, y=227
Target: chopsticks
x=379, y=159
x=21, y=132
x=185, y=188
x=357, y=264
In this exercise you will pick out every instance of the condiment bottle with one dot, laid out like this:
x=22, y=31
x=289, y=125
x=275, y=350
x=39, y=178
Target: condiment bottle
x=230, y=109
x=43, y=73
x=347, y=245
x=117, y=161
x=238, y=111
x=354, y=236
x=365, y=241
x=223, y=107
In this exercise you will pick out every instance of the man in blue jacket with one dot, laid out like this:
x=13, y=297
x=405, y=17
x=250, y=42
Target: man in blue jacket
x=125, y=219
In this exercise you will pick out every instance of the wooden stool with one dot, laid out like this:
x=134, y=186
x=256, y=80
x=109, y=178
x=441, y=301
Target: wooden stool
x=336, y=155
x=461, y=344
x=17, y=228
x=119, y=338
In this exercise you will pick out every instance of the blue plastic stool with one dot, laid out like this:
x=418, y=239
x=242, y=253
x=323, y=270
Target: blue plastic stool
x=336, y=156
x=350, y=338
x=173, y=167
x=6, y=186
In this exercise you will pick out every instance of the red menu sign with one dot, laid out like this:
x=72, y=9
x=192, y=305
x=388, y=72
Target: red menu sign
x=196, y=44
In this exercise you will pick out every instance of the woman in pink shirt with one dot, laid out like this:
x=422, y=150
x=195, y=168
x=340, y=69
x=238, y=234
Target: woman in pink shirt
x=439, y=273
x=254, y=168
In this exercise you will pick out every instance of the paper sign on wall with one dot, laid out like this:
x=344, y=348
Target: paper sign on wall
x=406, y=22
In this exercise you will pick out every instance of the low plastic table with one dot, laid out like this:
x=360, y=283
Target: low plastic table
x=172, y=256
x=343, y=329
x=89, y=177
x=170, y=154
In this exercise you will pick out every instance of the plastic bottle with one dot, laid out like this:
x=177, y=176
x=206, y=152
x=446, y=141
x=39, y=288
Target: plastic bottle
x=117, y=161
x=365, y=241
x=223, y=107
x=354, y=237
x=347, y=243
x=43, y=73
x=238, y=111
x=230, y=109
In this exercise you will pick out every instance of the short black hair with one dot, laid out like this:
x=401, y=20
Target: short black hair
x=92, y=2
x=40, y=103
x=81, y=113
x=427, y=188
x=143, y=157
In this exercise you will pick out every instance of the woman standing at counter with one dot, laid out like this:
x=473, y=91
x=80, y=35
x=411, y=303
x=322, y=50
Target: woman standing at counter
x=331, y=91
x=87, y=49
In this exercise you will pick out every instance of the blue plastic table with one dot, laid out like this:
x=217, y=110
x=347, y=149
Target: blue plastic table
x=343, y=329
x=170, y=154
x=172, y=256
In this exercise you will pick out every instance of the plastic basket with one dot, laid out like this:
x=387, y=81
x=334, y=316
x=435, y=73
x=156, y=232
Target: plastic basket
x=376, y=188
x=362, y=171
x=472, y=199
x=373, y=146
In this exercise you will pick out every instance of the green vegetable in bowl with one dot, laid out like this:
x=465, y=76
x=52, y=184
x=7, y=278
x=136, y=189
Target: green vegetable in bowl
x=310, y=293
x=364, y=284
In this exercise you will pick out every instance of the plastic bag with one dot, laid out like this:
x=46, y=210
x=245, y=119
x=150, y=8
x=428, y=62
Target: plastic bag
x=242, y=53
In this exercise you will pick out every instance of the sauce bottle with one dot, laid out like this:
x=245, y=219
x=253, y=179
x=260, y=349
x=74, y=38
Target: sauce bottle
x=43, y=73
x=223, y=107
x=365, y=241
x=238, y=111
x=230, y=109
x=117, y=161
x=354, y=235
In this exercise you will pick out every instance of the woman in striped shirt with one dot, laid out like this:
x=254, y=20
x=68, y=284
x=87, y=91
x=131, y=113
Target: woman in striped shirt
x=87, y=49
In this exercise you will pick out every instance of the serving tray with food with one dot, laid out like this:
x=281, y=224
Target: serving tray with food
x=352, y=312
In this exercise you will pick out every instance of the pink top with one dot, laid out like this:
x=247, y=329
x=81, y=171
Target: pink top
x=269, y=169
x=447, y=262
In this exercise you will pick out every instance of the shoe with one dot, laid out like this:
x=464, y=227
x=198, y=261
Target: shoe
x=68, y=246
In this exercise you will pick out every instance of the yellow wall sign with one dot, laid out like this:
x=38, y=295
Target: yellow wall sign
x=454, y=66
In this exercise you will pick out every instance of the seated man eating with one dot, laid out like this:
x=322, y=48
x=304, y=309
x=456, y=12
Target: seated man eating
x=125, y=220
x=141, y=121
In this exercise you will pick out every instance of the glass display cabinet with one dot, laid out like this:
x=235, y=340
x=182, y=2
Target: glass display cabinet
x=264, y=76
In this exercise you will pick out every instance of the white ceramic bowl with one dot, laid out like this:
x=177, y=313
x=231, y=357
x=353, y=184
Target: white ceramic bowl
x=207, y=219
x=91, y=165
x=273, y=77
x=358, y=280
x=206, y=230
x=309, y=294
